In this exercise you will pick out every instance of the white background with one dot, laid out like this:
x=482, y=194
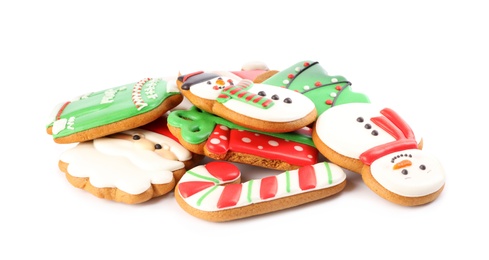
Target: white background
x=428, y=60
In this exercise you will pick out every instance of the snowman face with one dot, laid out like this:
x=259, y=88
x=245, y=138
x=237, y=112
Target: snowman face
x=409, y=173
x=210, y=89
x=348, y=129
x=284, y=104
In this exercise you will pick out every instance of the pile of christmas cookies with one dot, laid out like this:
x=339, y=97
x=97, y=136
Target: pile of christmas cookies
x=146, y=139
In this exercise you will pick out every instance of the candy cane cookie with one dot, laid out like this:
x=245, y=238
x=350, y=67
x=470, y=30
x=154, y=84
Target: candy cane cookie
x=213, y=136
x=382, y=147
x=213, y=191
x=256, y=106
x=112, y=110
x=131, y=167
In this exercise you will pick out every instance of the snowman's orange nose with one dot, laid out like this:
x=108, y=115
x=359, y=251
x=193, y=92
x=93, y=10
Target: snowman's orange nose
x=402, y=164
x=220, y=81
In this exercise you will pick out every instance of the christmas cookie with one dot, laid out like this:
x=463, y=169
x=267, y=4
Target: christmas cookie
x=310, y=79
x=213, y=191
x=380, y=145
x=112, y=110
x=253, y=105
x=131, y=166
x=220, y=139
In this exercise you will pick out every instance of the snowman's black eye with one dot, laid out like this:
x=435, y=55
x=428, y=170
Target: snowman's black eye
x=209, y=82
x=405, y=172
x=360, y=119
x=422, y=167
x=368, y=126
x=375, y=133
x=287, y=100
x=158, y=146
x=262, y=93
x=275, y=97
x=136, y=137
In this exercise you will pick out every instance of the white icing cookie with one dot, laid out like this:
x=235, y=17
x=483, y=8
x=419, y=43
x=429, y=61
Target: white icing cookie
x=130, y=167
x=381, y=146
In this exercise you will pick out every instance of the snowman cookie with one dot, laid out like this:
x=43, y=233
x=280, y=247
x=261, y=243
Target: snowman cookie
x=312, y=80
x=256, y=106
x=112, y=110
x=213, y=136
x=213, y=191
x=380, y=145
x=131, y=167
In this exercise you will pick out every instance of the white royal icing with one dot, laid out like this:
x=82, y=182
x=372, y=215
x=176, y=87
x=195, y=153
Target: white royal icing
x=338, y=128
x=417, y=181
x=112, y=162
x=300, y=107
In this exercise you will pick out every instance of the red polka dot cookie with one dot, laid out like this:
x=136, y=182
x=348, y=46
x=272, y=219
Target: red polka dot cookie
x=220, y=139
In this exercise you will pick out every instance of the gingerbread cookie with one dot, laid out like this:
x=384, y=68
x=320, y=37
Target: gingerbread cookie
x=256, y=106
x=113, y=110
x=220, y=139
x=213, y=191
x=310, y=79
x=132, y=166
x=380, y=145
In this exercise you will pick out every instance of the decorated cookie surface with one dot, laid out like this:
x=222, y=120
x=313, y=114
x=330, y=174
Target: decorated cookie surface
x=380, y=145
x=257, y=106
x=310, y=79
x=201, y=191
x=224, y=140
x=111, y=107
x=132, y=162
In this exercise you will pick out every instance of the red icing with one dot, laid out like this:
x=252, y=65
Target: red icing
x=290, y=76
x=338, y=88
x=329, y=102
x=268, y=187
x=190, y=75
x=58, y=115
x=188, y=189
x=248, y=74
x=223, y=171
x=229, y=196
x=218, y=141
x=160, y=126
x=270, y=147
x=317, y=84
x=393, y=124
x=307, y=177
x=306, y=64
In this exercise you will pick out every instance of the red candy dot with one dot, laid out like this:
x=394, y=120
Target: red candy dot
x=290, y=76
x=329, y=102
x=317, y=84
x=306, y=64
x=338, y=87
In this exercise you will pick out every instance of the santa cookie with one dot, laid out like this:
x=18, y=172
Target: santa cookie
x=220, y=139
x=256, y=106
x=112, y=110
x=213, y=191
x=380, y=145
x=131, y=166
x=310, y=79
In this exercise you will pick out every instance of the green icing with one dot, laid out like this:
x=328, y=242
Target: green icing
x=111, y=105
x=310, y=79
x=197, y=125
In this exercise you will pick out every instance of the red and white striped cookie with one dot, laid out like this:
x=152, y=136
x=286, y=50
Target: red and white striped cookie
x=213, y=191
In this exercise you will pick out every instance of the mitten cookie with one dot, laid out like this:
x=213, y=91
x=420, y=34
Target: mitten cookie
x=220, y=139
x=380, y=145
x=112, y=110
